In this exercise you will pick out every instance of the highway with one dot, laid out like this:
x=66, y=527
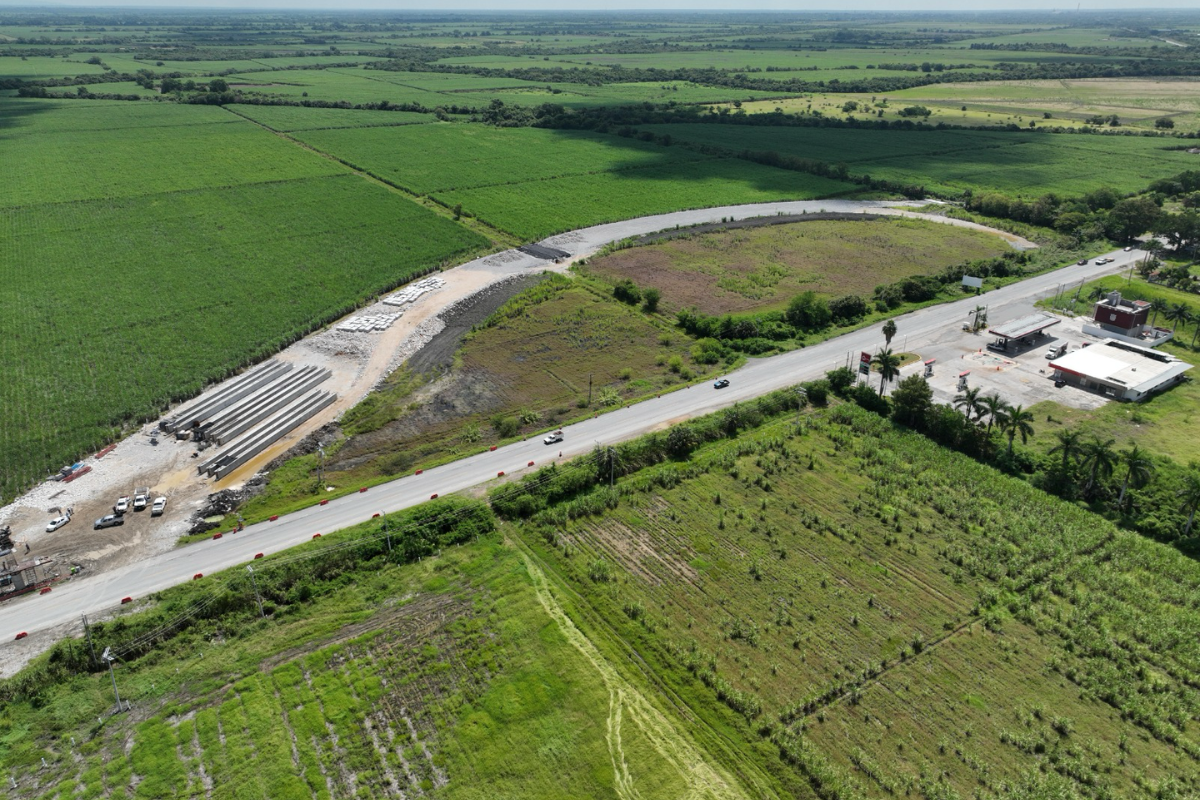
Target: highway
x=99, y=593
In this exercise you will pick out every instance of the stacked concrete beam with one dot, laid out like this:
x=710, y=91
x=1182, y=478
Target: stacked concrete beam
x=227, y=395
x=267, y=434
x=252, y=410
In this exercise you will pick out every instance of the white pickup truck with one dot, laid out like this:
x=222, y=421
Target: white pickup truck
x=141, y=496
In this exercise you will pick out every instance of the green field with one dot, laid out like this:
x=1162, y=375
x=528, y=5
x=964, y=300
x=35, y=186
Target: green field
x=296, y=118
x=538, y=209
x=38, y=67
x=1018, y=164
x=163, y=151
x=436, y=158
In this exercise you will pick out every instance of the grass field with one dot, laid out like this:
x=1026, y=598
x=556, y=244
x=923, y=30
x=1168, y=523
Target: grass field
x=950, y=161
x=1138, y=103
x=532, y=367
x=38, y=67
x=760, y=269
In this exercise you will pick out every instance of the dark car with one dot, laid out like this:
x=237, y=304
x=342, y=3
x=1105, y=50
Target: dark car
x=108, y=522
x=1081, y=262
x=721, y=384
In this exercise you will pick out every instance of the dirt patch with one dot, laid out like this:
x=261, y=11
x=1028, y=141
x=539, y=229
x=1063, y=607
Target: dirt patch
x=459, y=318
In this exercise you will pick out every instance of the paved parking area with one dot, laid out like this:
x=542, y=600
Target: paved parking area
x=1020, y=377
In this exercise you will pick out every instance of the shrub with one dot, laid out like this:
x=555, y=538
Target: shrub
x=505, y=427
x=627, y=292
x=847, y=308
x=817, y=391
x=675, y=364
x=708, y=351
x=681, y=441
x=840, y=380
x=807, y=312
x=650, y=299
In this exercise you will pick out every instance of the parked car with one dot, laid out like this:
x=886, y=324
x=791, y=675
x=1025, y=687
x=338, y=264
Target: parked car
x=1057, y=351
x=160, y=505
x=108, y=522
x=141, y=497
x=58, y=522
x=557, y=436
x=721, y=384
x=122, y=505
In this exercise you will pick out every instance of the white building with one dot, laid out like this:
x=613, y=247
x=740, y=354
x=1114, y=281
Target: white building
x=1119, y=369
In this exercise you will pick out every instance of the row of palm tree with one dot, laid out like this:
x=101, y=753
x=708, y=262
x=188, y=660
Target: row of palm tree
x=1098, y=458
x=1011, y=421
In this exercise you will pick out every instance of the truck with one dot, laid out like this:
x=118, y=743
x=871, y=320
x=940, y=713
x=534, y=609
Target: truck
x=1057, y=351
x=141, y=496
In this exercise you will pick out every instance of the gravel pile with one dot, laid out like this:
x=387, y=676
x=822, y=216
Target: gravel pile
x=506, y=257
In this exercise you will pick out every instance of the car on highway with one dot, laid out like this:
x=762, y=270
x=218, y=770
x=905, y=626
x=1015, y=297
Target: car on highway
x=721, y=383
x=557, y=436
x=1081, y=262
x=58, y=522
x=1128, y=249
x=108, y=522
x=122, y=505
x=160, y=505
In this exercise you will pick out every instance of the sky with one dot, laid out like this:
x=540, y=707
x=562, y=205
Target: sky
x=628, y=5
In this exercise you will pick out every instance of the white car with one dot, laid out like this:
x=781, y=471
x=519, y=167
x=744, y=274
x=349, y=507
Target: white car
x=1128, y=249
x=122, y=505
x=160, y=505
x=557, y=436
x=58, y=522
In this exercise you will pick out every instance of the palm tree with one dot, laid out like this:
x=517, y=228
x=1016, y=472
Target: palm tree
x=889, y=330
x=1177, y=313
x=980, y=313
x=1157, y=305
x=1068, y=445
x=1097, y=293
x=994, y=407
x=1190, y=494
x=1016, y=420
x=889, y=366
x=1099, y=459
x=970, y=404
x=1138, y=471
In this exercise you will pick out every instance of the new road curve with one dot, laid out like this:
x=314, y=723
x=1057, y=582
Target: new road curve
x=93, y=595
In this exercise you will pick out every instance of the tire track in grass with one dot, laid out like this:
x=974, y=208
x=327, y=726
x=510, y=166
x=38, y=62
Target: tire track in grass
x=703, y=780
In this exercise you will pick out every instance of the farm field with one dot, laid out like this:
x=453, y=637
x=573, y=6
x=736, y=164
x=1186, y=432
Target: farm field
x=535, y=210
x=429, y=159
x=760, y=269
x=170, y=151
x=280, y=258
x=1018, y=164
x=351, y=86
x=290, y=119
x=44, y=67
x=461, y=675
x=893, y=614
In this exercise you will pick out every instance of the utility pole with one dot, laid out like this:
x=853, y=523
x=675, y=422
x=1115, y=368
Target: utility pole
x=612, y=467
x=320, y=466
x=801, y=396
x=108, y=658
x=87, y=629
x=257, y=596
x=589, y=390
x=387, y=531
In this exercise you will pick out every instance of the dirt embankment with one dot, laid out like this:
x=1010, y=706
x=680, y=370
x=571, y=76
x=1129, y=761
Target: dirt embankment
x=450, y=395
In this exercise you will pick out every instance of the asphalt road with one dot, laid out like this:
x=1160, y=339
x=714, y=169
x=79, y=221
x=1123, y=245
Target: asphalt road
x=95, y=594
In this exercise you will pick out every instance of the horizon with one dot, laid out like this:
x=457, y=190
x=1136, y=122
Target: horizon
x=950, y=7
